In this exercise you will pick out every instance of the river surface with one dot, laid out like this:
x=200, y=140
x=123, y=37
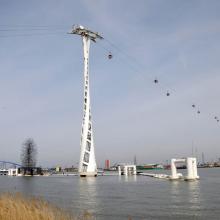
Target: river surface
x=120, y=197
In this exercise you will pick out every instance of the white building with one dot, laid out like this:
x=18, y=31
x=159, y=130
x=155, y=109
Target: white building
x=3, y=172
x=127, y=170
x=13, y=171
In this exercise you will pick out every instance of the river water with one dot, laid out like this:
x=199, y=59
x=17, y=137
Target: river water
x=120, y=197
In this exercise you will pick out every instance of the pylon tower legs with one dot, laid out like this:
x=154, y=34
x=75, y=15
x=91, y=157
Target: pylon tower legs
x=87, y=164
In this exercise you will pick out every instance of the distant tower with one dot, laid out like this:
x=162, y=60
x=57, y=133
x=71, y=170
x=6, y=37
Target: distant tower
x=135, y=160
x=107, y=164
x=192, y=149
x=87, y=164
x=203, y=158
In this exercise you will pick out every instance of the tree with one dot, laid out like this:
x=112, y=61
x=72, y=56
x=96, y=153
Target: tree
x=29, y=156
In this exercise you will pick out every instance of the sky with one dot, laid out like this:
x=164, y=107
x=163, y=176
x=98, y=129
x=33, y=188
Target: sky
x=41, y=79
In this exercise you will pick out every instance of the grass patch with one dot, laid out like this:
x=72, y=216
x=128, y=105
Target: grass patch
x=18, y=207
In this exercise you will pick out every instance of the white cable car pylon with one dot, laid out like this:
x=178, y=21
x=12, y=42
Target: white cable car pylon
x=87, y=164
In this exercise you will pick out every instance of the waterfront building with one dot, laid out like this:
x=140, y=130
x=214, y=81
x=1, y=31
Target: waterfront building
x=127, y=169
x=3, y=172
x=29, y=171
x=107, y=164
x=58, y=169
x=13, y=171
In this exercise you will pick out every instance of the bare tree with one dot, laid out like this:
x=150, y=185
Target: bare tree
x=29, y=156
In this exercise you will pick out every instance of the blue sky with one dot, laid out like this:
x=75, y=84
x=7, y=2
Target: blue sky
x=41, y=80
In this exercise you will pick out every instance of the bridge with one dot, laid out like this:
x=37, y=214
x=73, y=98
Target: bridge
x=8, y=164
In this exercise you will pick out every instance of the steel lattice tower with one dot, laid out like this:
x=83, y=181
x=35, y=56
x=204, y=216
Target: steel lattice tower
x=87, y=164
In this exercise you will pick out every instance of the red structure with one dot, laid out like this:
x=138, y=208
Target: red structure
x=107, y=164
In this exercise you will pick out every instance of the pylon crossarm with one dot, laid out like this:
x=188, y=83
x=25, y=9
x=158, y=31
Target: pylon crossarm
x=80, y=30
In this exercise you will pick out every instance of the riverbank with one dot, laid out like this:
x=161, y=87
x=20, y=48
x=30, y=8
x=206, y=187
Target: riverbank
x=18, y=207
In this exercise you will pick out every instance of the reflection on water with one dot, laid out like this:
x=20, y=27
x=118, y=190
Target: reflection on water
x=124, y=178
x=175, y=192
x=131, y=178
x=194, y=197
x=88, y=199
x=185, y=194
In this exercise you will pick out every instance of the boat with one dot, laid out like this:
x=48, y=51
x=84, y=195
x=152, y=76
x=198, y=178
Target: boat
x=150, y=167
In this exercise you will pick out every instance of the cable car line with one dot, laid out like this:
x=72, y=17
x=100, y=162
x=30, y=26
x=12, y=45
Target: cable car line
x=155, y=81
x=135, y=65
x=43, y=30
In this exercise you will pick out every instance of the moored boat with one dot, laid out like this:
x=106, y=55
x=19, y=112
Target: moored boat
x=150, y=167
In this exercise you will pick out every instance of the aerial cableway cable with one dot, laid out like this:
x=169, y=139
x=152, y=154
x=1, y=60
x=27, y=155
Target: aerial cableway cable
x=138, y=67
x=135, y=65
x=28, y=35
x=9, y=31
x=17, y=26
x=156, y=80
